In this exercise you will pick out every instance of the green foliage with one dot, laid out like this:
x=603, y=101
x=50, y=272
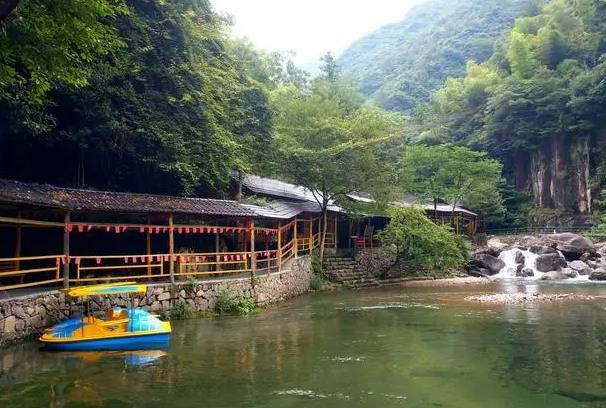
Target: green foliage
x=402, y=64
x=181, y=311
x=171, y=109
x=543, y=85
x=316, y=263
x=190, y=284
x=422, y=242
x=48, y=42
x=229, y=302
x=317, y=282
x=453, y=174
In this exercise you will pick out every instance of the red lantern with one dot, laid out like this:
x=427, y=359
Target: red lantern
x=80, y=228
x=98, y=261
x=187, y=230
x=141, y=229
x=89, y=228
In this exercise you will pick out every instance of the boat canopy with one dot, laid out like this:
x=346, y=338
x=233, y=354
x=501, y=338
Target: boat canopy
x=108, y=289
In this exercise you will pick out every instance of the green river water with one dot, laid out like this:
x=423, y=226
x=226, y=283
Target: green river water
x=375, y=348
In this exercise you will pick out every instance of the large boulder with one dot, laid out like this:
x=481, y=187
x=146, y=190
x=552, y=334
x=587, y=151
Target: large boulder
x=489, y=262
x=571, y=245
x=599, y=274
x=550, y=262
x=580, y=267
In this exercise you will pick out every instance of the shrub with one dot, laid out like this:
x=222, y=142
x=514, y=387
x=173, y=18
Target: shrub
x=317, y=282
x=316, y=263
x=181, y=311
x=228, y=302
x=421, y=241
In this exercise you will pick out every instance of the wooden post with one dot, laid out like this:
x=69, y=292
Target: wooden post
x=279, y=246
x=148, y=247
x=66, y=221
x=311, y=233
x=336, y=229
x=171, y=248
x=18, y=247
x=350, y=233
x=295, y=247
x=217, y=248
x=253, y=255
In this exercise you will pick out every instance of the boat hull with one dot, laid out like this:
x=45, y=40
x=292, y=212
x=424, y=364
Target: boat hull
x=139, y=342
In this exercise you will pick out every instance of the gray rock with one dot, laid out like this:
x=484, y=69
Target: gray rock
x=599, y=274
x=526, y=272
x=164, y=296
x=572, y=245
x=9, y=324
x=580, y=267
x=520, y=258
x=554, y=275
x=571, y=273
x=156, y=306
x=489, y=262
x=550, y=262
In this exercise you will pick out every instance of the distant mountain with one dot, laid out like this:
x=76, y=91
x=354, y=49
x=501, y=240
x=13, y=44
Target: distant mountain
x=404, y=63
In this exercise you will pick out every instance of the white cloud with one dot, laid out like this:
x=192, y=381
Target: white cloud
x=310, y=27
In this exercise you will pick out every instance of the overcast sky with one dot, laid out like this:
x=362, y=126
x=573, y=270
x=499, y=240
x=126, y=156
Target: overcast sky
x=310, y=27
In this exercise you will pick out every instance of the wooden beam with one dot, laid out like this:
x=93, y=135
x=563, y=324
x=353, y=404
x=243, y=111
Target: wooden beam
x=18, y=246
x=279, y=246
x=311, y=234
x=295, y=241
x=66, y=251
x=28, y=222
x=253, y=257
x=217, y=266
x=171, y=248
x=148, y=245
x=336, y=229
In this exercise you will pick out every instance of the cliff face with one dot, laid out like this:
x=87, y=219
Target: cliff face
x=559, y=175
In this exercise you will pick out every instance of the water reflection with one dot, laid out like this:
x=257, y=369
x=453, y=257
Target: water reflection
x=350, y=349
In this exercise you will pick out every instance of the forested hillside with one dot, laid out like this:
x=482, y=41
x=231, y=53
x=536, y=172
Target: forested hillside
x=404, y=63
x=538, y=105
x=137, y=95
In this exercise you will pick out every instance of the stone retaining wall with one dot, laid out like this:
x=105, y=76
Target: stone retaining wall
x=28, y=315
x=383, y=263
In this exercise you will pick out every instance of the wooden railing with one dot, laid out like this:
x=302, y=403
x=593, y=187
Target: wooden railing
x=23, y=272
x=46, y=270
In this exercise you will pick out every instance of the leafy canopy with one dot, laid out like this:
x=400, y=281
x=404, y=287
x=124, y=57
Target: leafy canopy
x=421, y=241
x=454, y=174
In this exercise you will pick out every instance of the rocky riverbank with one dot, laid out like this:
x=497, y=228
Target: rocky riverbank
x=545, y=257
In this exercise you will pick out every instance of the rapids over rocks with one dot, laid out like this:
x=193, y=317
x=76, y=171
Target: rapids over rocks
x=564, y=256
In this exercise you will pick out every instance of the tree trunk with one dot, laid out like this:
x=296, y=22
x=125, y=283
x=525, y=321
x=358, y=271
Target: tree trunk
x=6, y=8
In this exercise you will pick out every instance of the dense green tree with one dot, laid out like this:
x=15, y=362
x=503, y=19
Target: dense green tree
x=422, y=242
x=174, y=109
x=329, y=145
x=453, y=174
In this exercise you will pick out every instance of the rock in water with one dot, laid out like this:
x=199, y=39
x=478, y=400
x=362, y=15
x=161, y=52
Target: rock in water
x=571, y=245
x=524, y=272
x=554, y=275
x=598, y=274
x=519, y=258
x=550, y=262
x=581, y=267
x=493, y=264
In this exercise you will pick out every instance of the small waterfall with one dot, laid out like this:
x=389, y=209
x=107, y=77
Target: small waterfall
x=510, y=268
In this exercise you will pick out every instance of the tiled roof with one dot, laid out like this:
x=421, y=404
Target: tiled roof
x=282, y=190
x=45, y=195
x=283, y=210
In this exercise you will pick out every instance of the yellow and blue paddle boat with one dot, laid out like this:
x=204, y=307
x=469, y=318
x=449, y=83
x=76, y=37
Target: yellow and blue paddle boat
x=118, y=329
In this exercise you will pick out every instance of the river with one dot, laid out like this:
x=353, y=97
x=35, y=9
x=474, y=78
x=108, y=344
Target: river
x=376, y=348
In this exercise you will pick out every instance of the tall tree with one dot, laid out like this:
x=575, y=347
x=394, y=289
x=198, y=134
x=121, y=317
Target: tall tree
x=330, y=150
